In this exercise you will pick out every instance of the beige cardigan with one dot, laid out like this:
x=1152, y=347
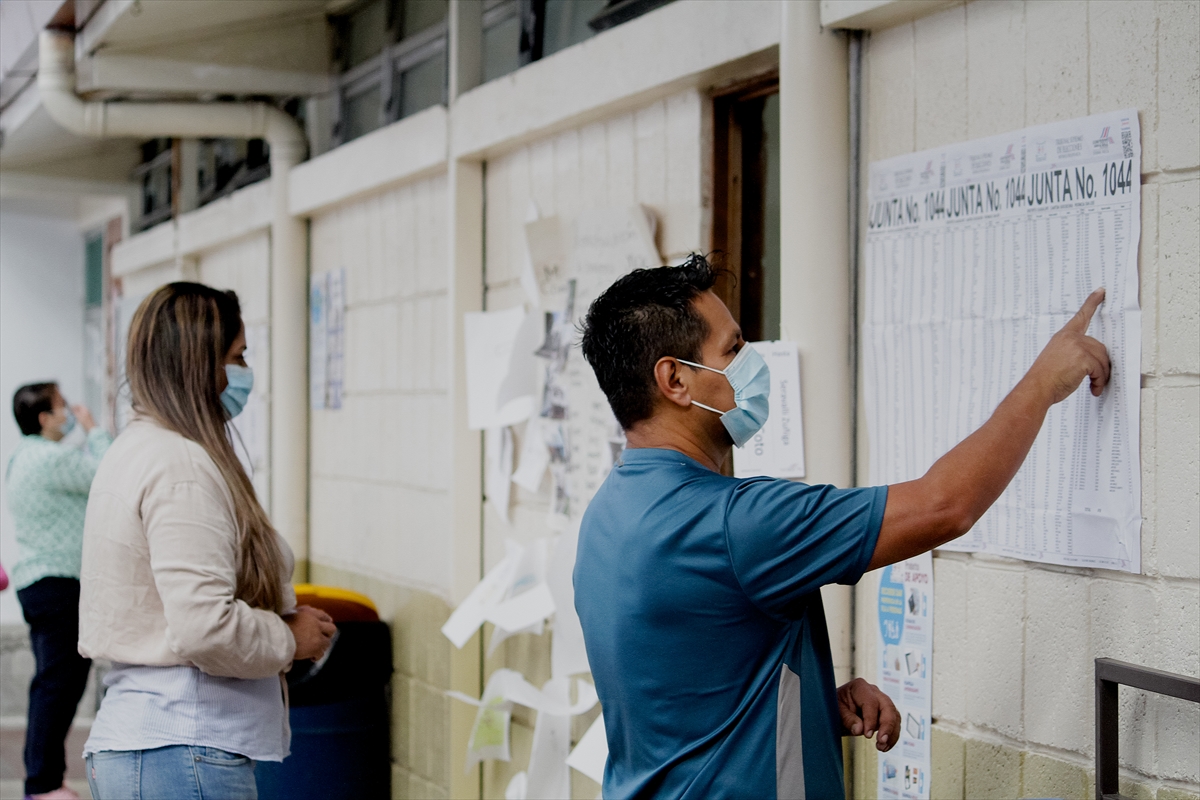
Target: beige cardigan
x=160, y=560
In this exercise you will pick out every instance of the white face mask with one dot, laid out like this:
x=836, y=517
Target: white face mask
x=750, y=378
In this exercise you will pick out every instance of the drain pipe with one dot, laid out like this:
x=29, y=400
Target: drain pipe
x=289, y=270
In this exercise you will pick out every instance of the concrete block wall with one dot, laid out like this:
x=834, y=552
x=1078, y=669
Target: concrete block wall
x=655, y=155
x=380, y=507
x=380, y=475
x=1015, y=641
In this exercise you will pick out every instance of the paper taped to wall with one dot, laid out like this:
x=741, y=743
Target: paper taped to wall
x=513, y=596
x=510, y=686
x=778, y=449
x=534, y=458
x=317, y=324
x=490, y=339
x=976, y=254
x=528, y=608
x=591, y=754
x=497, y=469
x=568, y=656
x=904, y=671
x=472, y=611
x=549, y=775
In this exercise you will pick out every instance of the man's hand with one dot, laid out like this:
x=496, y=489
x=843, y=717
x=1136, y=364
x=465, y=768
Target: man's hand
x=865, y=709
x=1071, y=355
x=312, y=629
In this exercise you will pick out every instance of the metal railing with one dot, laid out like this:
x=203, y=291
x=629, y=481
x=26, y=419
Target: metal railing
x=1110, y=674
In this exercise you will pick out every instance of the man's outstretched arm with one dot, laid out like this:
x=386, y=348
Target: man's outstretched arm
x=944, y=503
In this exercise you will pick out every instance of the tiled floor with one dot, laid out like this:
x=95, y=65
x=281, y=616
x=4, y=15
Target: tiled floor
x=12, y=767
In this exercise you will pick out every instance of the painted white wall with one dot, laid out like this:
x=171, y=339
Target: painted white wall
x=655, y=156
x=380, y=475
x=1015, y=641
x=41, y=335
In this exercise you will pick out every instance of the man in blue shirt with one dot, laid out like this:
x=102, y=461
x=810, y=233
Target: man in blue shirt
x=699, y=593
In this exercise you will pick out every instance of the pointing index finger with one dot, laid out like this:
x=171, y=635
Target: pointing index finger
x=1083, y=317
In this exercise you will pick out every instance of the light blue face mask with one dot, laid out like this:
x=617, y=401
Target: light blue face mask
x=69, y=425
x=750, y=378
x=241, y=381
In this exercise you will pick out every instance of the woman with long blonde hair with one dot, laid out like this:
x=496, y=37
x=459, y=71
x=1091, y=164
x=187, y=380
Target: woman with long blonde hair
x=185, y=583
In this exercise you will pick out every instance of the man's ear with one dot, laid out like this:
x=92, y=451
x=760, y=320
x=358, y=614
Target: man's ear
x=666, y=375
x=44, y=418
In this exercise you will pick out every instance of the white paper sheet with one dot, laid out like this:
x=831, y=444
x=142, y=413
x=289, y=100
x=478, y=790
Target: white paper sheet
x=549, y=775
x=605, y=245
x=521, y=378
x=518, y=787
x=591, y=754
x=511, y=687
x=513, y=596
x=335, y=348
x=472, y=611
x=976, y=254
x=527, y=608
x=490, y=338
x=530, y=570
x=317, y=323
x=493, y=721
x=534, y=458
x=778, y=449
x=568, y=656
x=498, y=467
x=546, y=241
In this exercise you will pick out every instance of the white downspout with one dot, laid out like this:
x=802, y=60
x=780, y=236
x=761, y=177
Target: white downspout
x=289, y=270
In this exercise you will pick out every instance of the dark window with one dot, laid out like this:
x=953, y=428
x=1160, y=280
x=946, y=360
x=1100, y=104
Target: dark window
x=567, y=23
x=226, y=165
x=392, y=56
x=93, y=255
x=746, y=220
x=501, y=38
x=519, y=32
x=154, y=176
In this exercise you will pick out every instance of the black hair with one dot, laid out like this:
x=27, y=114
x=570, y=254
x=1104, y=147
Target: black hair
x=28, y=404
x=644, y=316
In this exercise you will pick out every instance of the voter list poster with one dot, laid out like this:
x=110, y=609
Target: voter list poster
x=975, y=255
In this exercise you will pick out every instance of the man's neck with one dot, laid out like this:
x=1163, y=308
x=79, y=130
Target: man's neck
x=663, y=435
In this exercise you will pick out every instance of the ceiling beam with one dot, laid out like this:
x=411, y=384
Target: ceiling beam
x=130, y=73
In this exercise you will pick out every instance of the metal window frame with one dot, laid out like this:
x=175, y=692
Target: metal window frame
x=383, y=69
x=1110, y=674
x=433, y=42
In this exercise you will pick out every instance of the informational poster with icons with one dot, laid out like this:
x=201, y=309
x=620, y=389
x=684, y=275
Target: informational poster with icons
x=905, y=648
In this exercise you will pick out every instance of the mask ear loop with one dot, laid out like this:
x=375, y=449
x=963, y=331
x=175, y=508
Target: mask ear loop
x=708, y=408
x=700, y=366
x=710, y=369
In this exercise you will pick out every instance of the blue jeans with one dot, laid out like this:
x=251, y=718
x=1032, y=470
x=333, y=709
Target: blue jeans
x=178, y=772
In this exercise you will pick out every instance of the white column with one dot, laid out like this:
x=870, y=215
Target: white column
x=814, y=248
x=289, y=359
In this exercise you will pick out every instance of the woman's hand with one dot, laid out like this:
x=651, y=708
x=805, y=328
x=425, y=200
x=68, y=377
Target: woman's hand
x=84, y=417
x=312, y=629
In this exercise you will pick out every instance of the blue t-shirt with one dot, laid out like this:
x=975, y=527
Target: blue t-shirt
x=701, y=611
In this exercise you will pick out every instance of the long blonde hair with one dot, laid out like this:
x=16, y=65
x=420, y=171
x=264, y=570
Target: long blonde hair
x=178, y=341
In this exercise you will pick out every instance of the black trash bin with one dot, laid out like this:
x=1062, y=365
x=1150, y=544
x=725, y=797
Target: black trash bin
x=339, y=716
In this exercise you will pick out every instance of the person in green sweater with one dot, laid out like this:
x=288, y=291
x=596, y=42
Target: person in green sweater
x=48, y=484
